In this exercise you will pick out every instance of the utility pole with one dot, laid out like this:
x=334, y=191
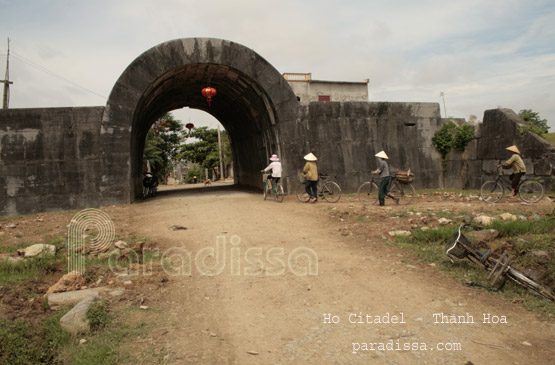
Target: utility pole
x=221, y=154
x=6, y=81
x=442, y=94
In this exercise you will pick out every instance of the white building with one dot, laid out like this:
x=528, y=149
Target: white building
x=308, y=90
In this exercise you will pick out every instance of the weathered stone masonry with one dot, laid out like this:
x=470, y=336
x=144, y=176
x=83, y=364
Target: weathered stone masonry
x=74, y=158
x=49, y=159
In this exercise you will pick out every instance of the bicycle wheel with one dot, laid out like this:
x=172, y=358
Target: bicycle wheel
x=265, y=190
x=525, y=281
x=302, y=195
x=404, y=192
x=278, y=196
x=146, y=192
x=331, y=191
x=368, y=193
x=531, y=191
x=491, y=192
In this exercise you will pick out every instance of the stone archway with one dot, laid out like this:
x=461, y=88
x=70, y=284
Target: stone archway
x=253, y=100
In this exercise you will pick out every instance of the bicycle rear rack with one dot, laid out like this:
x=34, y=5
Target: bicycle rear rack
x=500, y=268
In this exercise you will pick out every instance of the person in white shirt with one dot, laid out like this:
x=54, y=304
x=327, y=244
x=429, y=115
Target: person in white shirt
x=275, y=166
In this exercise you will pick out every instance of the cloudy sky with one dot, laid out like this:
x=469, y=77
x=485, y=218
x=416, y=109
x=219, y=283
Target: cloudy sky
x=481, y=54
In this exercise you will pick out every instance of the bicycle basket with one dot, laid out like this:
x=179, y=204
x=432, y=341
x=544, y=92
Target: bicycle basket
x=458, y=251
x=265, y=177
x=302, y=179
x=404, y=177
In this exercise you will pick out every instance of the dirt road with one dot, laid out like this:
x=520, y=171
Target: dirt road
x=285, y=286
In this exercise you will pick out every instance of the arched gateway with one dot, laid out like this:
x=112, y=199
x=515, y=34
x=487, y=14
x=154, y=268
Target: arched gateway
x=80, y=157
x=253, y=103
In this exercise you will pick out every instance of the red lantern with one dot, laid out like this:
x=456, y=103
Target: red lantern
x=189, y=126
x=208, y=93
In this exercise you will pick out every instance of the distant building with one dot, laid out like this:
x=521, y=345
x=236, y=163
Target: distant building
x=308, y=90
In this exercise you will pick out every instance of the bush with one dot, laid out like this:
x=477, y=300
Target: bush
x=98, y=316
x=451, y=136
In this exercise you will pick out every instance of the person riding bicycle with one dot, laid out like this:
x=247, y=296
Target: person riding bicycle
x=519, y=169
x=310, y=172
x=275, y=166
x=383, y=172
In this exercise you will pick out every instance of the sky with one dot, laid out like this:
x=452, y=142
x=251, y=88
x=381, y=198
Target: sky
x=480, y=54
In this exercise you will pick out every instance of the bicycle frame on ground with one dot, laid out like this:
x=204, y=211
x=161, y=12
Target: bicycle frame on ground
x=498, y=267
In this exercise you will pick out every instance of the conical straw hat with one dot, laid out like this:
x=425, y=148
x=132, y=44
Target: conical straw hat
x=310, y=157
x=514, y=149
x=382, y=155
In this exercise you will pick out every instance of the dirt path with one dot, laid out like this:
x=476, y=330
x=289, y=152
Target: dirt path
x=269, y=305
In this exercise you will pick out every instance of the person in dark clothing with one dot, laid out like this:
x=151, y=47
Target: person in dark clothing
x=383, y=172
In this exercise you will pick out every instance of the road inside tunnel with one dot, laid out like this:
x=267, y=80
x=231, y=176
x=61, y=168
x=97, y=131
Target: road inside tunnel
x=240, y=106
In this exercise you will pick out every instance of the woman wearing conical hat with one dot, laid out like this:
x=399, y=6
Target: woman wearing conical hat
x=519, y=169
x=383, y=172
x=310, y=171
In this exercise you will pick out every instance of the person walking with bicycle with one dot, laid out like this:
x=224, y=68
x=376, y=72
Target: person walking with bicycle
x=383, y=172
x=276, y=168
x=310, y=172
x=519, y=169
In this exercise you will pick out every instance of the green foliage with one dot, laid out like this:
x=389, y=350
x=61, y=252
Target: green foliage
x=534, y=122
x=191, y=173
x=98, y=316
x=443, y=139
x=162, y=144
x=451, y=136
x=463, y=135
x=205, y=150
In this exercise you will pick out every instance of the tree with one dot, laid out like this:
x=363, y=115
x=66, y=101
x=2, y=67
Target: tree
x=451, y=136
x=162, y=144
x=535, y=123
x=205, y=150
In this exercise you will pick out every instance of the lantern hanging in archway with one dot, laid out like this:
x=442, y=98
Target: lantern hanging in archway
x=209, y=93
x=189, y=126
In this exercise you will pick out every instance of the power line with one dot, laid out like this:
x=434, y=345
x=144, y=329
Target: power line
x=53, y=74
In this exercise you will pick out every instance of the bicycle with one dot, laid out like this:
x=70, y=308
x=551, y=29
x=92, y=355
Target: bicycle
x=368, y=192
x=276, y=190
x=330, y=191
x=462, y=248
x=529, y=190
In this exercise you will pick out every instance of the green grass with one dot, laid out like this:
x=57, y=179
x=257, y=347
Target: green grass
x=24, y=343
x=107, y=344
x=549, y=137
x=30, y=268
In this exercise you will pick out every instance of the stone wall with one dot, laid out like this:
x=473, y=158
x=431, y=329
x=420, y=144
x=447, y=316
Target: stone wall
x=345, y=136
x=49, y=159
x=499, y=130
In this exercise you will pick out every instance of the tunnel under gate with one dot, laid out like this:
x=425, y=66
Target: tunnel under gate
x=252, y=100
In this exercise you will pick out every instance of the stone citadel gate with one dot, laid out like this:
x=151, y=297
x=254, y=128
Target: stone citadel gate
x=78, y=157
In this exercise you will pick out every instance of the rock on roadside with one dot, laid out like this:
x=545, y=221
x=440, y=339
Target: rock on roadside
x=70, y=281
x=75, y=321
x=58, y=300
x=39, y=249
